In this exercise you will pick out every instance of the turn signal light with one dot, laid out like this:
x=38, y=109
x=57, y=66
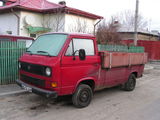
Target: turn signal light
x=54, y=84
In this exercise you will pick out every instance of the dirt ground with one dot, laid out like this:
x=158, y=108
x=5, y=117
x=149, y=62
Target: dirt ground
x=110, y=104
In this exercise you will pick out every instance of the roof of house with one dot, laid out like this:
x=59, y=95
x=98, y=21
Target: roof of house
x=140, y=31
x=44, y=6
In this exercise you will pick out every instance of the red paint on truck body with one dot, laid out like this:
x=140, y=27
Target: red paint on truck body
x=69, y=73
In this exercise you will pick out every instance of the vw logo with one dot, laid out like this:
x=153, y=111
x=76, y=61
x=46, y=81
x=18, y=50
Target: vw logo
x=29, y=67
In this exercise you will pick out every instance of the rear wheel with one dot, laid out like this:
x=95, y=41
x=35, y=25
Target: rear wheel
x=83, y=96
x=130, y=84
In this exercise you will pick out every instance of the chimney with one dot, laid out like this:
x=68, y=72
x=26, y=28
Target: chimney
x=62, y=3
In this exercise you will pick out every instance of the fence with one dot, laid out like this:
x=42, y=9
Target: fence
x=151, y=47
x=9, y=53
x=121, y=48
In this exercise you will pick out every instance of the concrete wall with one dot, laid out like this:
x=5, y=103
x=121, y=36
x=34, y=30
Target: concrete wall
x=74, y=23
x=8, y=22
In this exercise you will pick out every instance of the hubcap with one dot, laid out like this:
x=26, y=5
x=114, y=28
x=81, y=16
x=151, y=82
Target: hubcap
x=84, y=96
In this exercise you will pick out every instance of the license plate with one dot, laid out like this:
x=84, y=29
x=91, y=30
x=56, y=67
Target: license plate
x=27, y=88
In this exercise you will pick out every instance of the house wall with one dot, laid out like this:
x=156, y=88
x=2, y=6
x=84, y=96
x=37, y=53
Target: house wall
x=74, y=23
x=148, y=37
x=57, y=23
x=29, y=18
x=8, y=22
x=53, y=21
x=127, y=36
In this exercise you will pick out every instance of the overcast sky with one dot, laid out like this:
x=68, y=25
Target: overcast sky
x=148, y=8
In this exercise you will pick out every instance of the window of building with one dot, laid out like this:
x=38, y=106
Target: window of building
x=9, y=32
x=33, y=35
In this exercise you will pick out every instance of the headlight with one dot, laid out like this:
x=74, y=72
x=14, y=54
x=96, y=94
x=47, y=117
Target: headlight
x=48, y=71
x=19, y=65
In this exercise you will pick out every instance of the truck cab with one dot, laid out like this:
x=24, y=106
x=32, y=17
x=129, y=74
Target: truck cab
x=58, y=64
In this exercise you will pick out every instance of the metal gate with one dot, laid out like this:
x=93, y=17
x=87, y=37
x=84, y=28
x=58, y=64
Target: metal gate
x=9, y=53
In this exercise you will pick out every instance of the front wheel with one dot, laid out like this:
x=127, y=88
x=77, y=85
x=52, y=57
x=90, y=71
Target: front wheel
x=130, y=84
x=83, y=96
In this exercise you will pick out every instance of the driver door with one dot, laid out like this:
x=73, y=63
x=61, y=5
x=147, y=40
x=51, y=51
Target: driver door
x=73, y=69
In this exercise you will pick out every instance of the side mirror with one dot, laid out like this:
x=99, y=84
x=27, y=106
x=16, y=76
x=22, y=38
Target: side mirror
x=82, y=54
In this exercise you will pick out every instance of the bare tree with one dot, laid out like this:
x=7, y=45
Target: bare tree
x=127, y=19
x=54, y=21
x=80, y=26
x=107, y=33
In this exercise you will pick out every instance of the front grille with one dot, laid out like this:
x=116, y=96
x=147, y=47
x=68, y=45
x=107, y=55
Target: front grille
x=33, y=81
x=32, y=68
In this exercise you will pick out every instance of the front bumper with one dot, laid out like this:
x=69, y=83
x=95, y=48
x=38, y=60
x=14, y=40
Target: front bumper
x=39, y=91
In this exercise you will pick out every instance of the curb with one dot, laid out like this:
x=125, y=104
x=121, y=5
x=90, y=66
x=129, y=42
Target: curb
x=18, y=92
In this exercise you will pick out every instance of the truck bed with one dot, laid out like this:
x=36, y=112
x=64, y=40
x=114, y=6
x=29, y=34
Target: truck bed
x=120, y=59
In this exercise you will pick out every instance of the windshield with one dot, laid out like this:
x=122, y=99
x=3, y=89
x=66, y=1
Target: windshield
x=50, y=44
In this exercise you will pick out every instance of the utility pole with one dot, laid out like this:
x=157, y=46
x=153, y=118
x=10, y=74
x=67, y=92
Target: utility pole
x=136, y=23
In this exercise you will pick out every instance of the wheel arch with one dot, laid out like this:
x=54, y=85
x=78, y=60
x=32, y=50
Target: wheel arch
x=135, y=73
x=88, y=81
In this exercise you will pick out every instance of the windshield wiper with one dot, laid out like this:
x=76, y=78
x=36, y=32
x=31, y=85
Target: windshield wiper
x=44, y=52
x=29, y=52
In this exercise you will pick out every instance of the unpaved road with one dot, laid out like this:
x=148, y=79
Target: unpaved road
x=110, y=104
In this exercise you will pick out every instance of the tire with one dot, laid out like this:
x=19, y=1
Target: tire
x=83, y=96
x=130, y=84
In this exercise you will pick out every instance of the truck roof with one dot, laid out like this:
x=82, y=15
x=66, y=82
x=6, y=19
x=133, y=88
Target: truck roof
x=71, y=34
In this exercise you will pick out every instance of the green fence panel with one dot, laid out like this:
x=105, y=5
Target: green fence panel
x=9, y=53
x=135, y=49
x=113, y=48
x=121, y=48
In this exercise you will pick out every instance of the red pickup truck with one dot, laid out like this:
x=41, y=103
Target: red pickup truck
x=59, y=64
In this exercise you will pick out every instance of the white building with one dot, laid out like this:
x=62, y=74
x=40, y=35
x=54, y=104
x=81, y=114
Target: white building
x=33, y=17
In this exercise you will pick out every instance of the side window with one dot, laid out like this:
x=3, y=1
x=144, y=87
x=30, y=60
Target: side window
x=69, y=51
x=86, y=44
